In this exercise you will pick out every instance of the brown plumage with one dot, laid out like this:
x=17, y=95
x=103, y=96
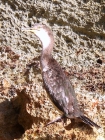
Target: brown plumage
x=56, y=83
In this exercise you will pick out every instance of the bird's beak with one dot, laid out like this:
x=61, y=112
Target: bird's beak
x=28, y=29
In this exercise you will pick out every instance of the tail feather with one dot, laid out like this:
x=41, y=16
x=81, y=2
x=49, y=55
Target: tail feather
x=88, y=121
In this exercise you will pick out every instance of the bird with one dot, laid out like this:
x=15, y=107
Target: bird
x=56, y=83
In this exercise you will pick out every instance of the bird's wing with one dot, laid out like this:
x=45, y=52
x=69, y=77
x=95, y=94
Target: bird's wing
x=59, y=88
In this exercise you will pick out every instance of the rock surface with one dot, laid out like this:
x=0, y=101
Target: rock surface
x=79, y=31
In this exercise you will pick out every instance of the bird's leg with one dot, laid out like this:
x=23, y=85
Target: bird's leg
x=57, y=120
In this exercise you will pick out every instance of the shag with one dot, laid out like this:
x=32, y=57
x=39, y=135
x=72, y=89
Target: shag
x=56, y=82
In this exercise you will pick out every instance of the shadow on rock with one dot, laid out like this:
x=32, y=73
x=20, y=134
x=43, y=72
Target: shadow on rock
x=9, y=126
x=78, y=124
x=14, y=119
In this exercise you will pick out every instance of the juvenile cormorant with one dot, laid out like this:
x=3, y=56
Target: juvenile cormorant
x=56, y=83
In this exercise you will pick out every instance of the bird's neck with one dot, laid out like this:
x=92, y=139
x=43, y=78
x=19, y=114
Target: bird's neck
x=47, y=44
x=46, y=53
x=47, y=47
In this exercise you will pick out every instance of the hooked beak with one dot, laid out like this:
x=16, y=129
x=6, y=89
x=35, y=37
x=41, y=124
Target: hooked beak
x=29, y=29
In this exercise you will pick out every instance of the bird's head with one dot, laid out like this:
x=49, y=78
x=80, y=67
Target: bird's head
x=43, y=32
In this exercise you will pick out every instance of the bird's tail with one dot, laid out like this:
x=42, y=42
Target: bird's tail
x=88, y=121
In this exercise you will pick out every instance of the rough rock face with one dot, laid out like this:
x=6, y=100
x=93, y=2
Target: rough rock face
x=79, y=31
